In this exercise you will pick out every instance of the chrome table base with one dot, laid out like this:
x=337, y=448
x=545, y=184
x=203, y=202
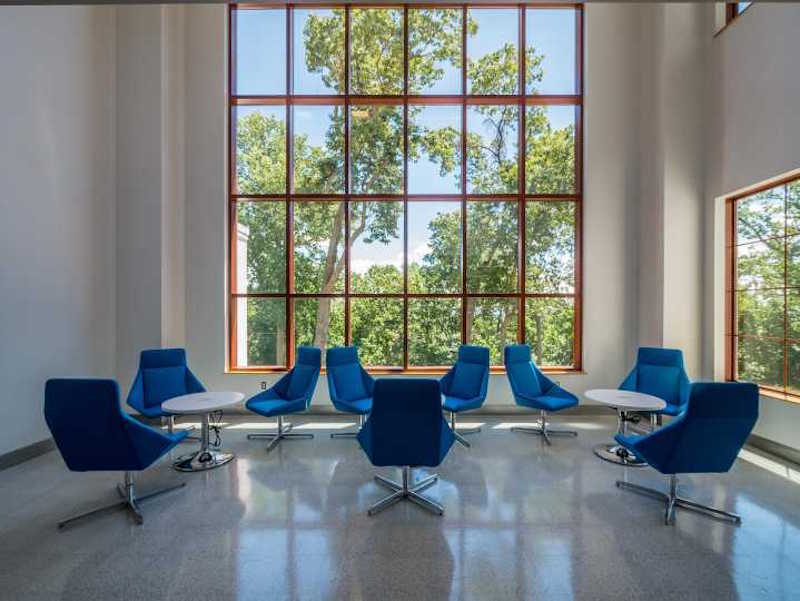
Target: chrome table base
x=282, y=432
x=350, y=434
x=130, y=501
x=672, y=500
x=405, y=492
x=205, y=458
x=543, y=429
x=615, y=453
x=459, y=434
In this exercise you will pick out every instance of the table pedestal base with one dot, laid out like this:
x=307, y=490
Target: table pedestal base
x=202, y=460
x=618, y=454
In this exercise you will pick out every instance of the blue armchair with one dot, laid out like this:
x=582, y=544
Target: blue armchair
x=464, y=386
x=349, y=385
x=531, y=388
x=163, y=374
x=660, y=372
x=291, y=394
x=92, y=433
x=406, y=429
x=706, y=438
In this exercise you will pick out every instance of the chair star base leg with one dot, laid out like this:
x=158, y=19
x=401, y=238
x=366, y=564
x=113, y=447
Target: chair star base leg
x=543, y=429
x=459, y=432
x=671, y=500
x=404, y=491
x=350, y=434
x=130, y=501
x=283, y=432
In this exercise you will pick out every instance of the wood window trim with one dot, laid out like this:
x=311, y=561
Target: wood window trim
x=405, y=99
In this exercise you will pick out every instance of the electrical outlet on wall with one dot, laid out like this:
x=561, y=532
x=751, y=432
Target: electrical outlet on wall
x=263, y=385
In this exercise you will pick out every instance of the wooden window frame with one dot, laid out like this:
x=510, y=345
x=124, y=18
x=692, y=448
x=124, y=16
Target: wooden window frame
x=732, y=334
x=462, y=101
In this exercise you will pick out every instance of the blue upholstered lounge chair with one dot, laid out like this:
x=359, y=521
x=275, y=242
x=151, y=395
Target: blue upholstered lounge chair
x=92, y=433
x=291, y=394
x=660, y=372
x=406, y=429
x=349, y=385
x=531, y=388
x=163, y=374
x=464, y=386
x=706, y=438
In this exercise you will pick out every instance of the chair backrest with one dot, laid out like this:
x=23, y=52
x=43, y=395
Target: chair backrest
x=304, y=374
x=163, y=375
x=708, y=436
x=470, y=374
x=520, y=370
x=347, y=380
x=660, y=372
x=92, y=432
x=406, y=426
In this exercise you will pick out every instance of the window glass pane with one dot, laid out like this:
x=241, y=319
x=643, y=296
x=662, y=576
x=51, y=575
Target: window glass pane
x=376, y=254
x=319, y=51
x=760, y=361
x=492, y=61
x=318, y=247
x=434, y=148
x=793, y=314
x=760, y=264
x=319, y=322
x=550, y=330
x=260, y=331
x=793, y=261
x=550, y=246
x=434, y=330
x=260, y=149
x=434, y=51
x=376, y=51
x=793, y=376
x=434, y=247
x=550, y=51
x=261, y=246
x=376, y=149
x=492, y=322
x=793, y=208
x=260, y=52
x=550, y=153
x=492, y=246
x=760, y=216
x=377, y=330
x=760, y=312
x=492, y=149
x=318, y=149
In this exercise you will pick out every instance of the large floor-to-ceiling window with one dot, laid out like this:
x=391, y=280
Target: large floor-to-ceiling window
x=763, y=288
x=405, y=179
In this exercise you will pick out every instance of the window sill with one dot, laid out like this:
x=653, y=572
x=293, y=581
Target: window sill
x=779, y=396
x=420, y=371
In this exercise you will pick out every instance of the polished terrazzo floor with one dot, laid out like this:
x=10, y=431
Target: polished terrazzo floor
x=522, y=521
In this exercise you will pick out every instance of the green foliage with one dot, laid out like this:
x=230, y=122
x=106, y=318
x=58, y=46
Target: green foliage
x=376, y=148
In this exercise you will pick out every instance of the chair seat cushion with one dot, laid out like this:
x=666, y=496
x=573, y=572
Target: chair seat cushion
x=273, y=407
x=673, y=410
x=467, y=380
x=456, y=404
x=524, y=379
x=546, y=402
x=349, y=383
x=359, y=406
x=155, y=411
x=301, y=378
x=162, y=383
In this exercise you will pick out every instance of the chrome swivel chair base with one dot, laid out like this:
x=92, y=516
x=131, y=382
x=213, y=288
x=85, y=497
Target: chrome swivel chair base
x=672, y=500
x=361, y=420
x=283, y=432
x=130, y=501
x=405, y=492
x=459, y=434
x=543, y=429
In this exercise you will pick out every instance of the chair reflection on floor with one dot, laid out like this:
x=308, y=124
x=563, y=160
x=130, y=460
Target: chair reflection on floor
x=406, y=429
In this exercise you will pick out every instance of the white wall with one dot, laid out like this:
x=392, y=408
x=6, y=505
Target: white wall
x=753, y=136
x=611, y=98
x=57, y=230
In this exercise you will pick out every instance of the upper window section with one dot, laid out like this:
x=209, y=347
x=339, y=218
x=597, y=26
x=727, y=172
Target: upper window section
x=492, y=62
x=550, y=52
x=319, y=51
x=376, y=51
x=260, y=47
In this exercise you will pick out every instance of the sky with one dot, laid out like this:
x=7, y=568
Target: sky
x=261, y=69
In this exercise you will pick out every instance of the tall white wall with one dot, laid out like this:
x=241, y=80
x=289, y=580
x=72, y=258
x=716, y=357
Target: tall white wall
x=753, y=135
x=612, y=154
x=57, y=231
